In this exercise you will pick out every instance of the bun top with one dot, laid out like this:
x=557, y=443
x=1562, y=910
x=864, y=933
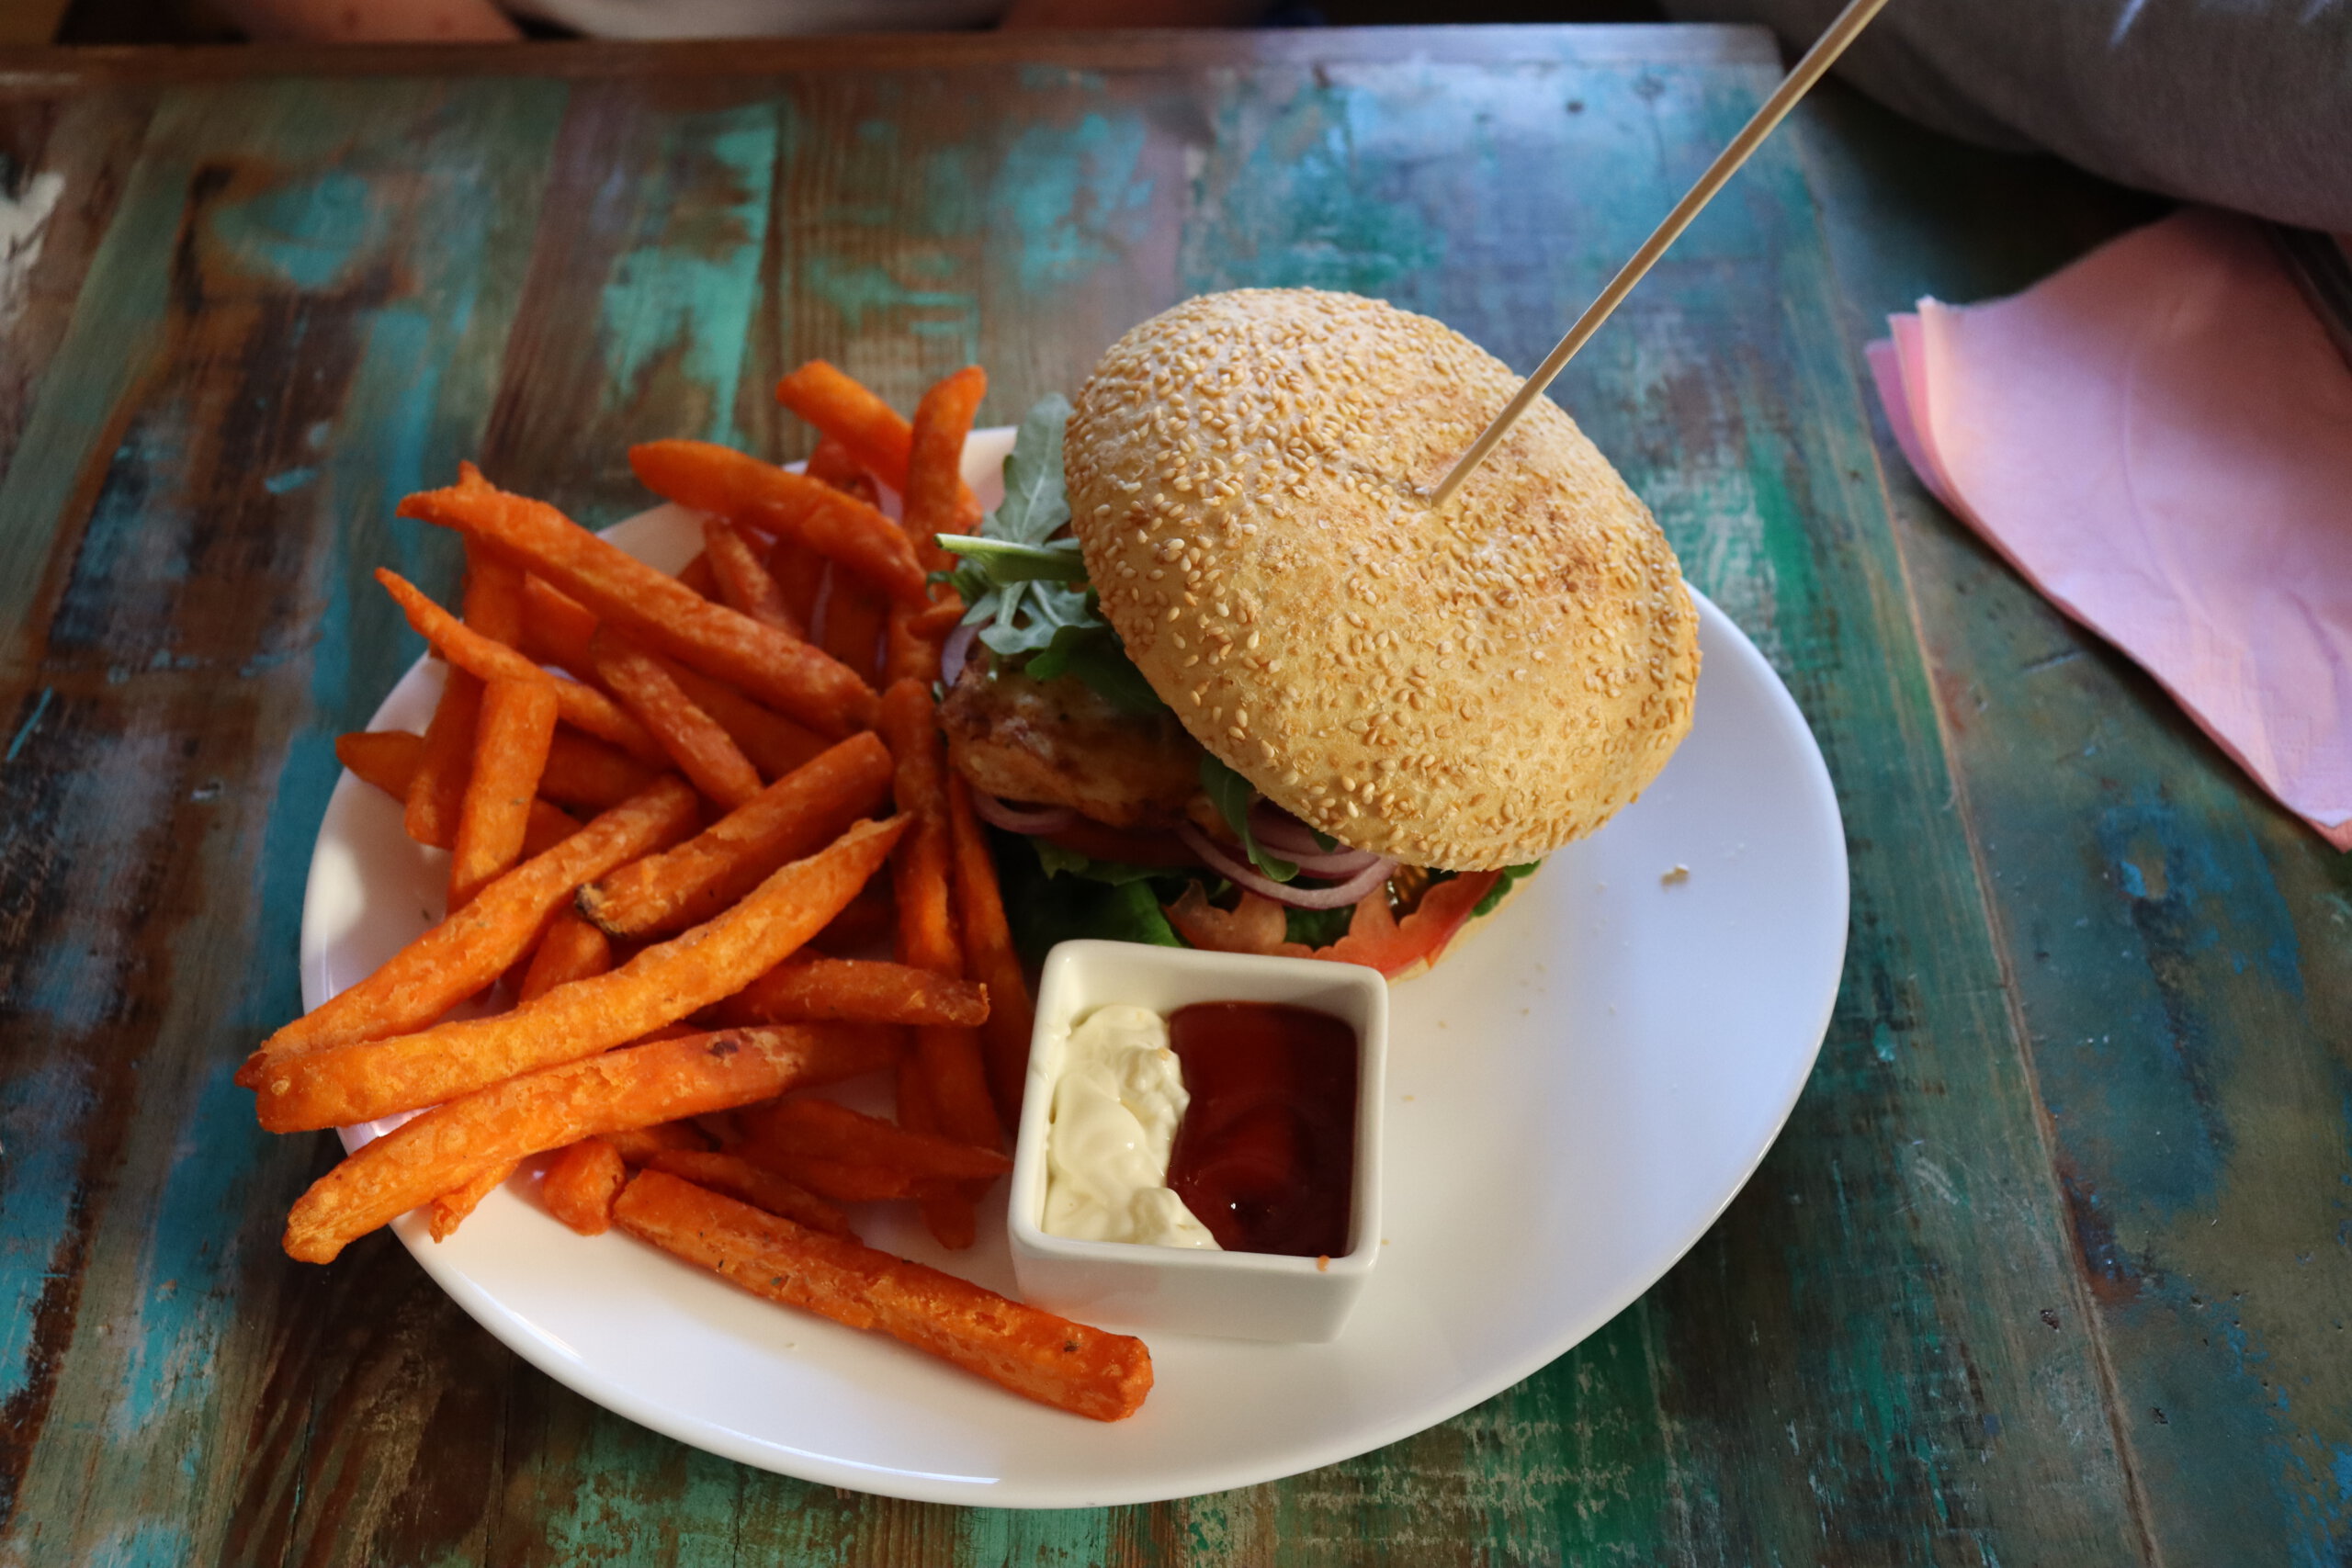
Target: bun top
x=1466, y=687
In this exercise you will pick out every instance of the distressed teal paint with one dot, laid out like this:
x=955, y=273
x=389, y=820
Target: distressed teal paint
x=1043, y=1535
x=690, y=290
x=306, y=232
x=186, y=1303
x=31, y=723
x=39, y=1186
x=286, y=481
x=154, y=1545
x=1300, y=209
x=1036, y=77
x=1072, y=197
x=113, y=339
x=860, y=292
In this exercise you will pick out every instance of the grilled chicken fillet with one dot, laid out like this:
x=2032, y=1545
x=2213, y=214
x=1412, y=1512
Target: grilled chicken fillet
x=1061, y=743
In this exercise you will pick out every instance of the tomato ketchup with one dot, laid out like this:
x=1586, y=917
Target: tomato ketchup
x=1266, y=1154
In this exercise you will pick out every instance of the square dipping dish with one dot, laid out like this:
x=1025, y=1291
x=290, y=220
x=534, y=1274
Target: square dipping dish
x=1238, y=1295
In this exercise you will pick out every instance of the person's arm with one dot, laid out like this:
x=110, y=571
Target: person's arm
x=368, y=21
x=1089, y=13
x=2246, y=106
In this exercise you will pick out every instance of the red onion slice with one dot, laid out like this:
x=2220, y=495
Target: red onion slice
x=1338, y=864
x=1015, y=819
x=1285, y=835
x=954, y=651
x=1349, y=892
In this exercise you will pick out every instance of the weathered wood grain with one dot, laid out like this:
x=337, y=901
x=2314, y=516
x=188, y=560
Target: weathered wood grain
x=1928, y=1331
x=2176, y=942
x=254, y=370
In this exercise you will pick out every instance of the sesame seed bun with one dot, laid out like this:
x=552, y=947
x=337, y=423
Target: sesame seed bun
x=1468, y=687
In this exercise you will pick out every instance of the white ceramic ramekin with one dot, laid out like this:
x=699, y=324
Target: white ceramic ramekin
x=1239, y=1295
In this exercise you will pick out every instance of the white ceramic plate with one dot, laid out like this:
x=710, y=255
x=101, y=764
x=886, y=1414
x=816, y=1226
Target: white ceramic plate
x=1574, y=1099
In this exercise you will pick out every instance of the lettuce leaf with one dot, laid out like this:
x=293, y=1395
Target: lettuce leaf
x=1511, y=874
x=1045, y=907
x=1231, y=795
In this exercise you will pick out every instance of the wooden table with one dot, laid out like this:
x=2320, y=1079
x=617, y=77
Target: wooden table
x=2051, y=1265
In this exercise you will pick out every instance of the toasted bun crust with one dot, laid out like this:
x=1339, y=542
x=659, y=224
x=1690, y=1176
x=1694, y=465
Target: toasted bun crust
x=1469, y=687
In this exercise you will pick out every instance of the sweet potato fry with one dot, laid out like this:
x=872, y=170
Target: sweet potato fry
x=493, y=601
x=1032, y=1352
x=853, y=419
x=544, y=828
x=693, y=883
x=556, y=627
x=906, y=654
x=385, y=758
x=832, y=464
x=582, y=707
x=589, y=773
x=741, y=489
x=989, y=956
x=732, y=1176
x=945, y=1208
x=580, y=1184
x=638, y=1145
x=698, y=575
x=389, y=760
x=471, y=948
x=559, y=632
x=819, y=1129
x=870, y=920
x=838, y=1182
x=854, y=990
x=437, y=792
x=571, y=950
x=449, y=1210
x=358, y=1082
x=937, y=502
x=798, y=572
x=702, y=752
x=953, y=1083
x=743, y=579
x=853, y=622
x=919, y=869
x=452, y=1144
x=655, y=609
x=511, y=740
x=956, y=1079
x=776, y=744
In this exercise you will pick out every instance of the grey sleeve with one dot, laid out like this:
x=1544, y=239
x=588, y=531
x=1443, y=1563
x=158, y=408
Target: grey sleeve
x=2244, y=104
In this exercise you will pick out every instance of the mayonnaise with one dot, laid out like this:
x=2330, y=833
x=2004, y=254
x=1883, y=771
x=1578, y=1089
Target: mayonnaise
x=1116, y=1105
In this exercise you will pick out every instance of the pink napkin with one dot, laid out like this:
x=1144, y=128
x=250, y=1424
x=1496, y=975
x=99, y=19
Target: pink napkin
x=2159, y=438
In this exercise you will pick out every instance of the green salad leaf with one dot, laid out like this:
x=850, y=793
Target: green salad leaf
x=1511, y=874
x=1096, y=656
x=1057, y=861
x=1028, y=580
x=1007, y=563
x=1045, y=907
x=1317, y=928
x=1231, y=795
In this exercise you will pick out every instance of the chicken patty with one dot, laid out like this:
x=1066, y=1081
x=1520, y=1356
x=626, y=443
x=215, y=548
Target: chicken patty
x=1061, y=743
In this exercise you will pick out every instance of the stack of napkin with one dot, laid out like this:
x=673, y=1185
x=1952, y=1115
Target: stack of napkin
x=2159, y=437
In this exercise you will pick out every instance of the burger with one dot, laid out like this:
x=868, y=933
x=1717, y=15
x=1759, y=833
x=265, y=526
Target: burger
x=1228, y=679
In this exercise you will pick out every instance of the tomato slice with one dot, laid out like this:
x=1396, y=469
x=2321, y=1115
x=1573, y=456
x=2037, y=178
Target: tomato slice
x=1254, y=925
x=1377, y=939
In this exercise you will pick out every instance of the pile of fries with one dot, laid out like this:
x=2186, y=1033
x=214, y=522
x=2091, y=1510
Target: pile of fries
x=682, y=961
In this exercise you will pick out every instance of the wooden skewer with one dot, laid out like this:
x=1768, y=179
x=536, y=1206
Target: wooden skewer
x=1817, y=61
